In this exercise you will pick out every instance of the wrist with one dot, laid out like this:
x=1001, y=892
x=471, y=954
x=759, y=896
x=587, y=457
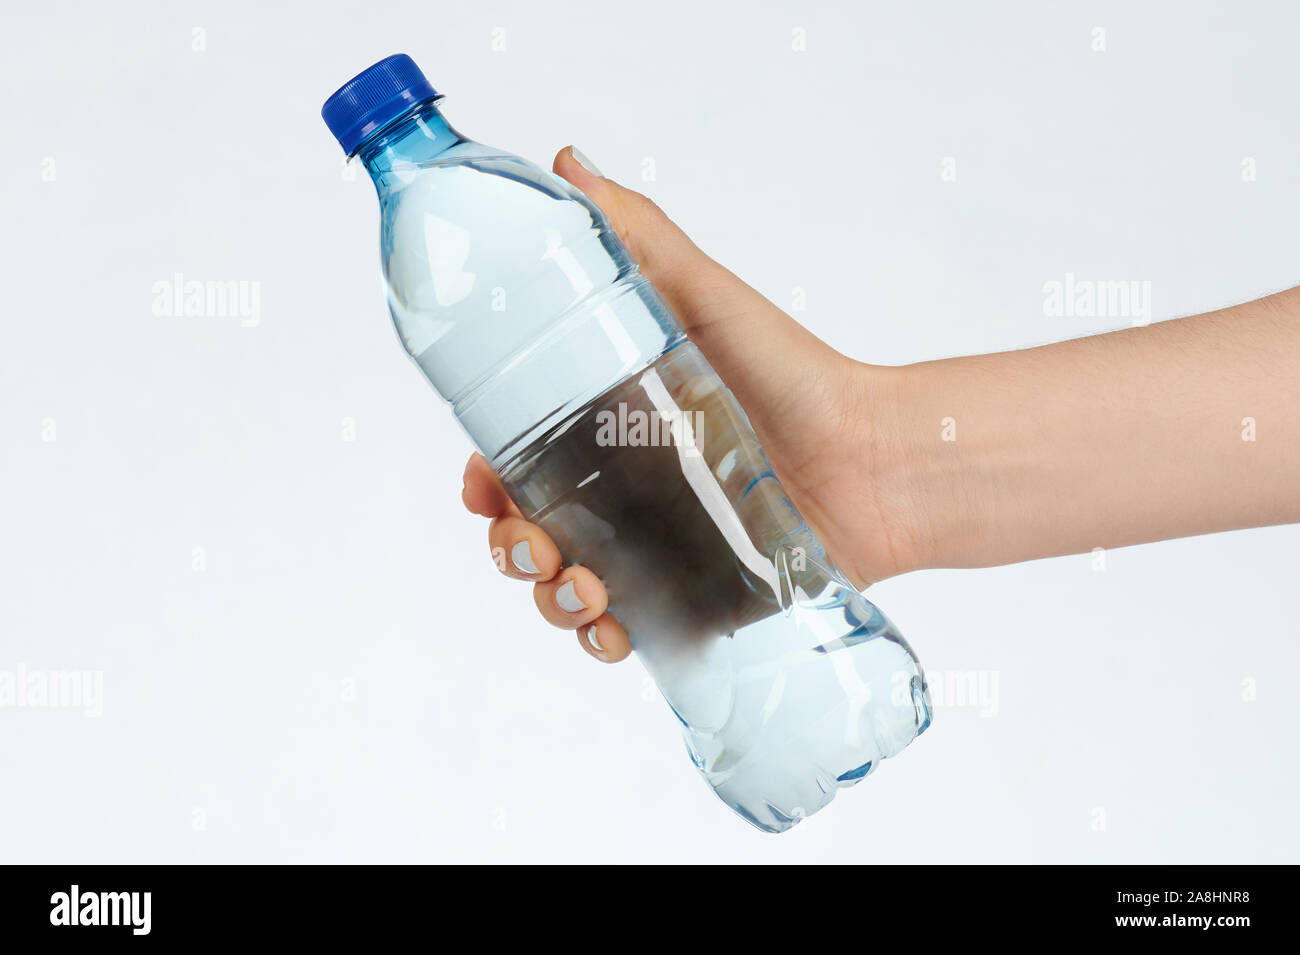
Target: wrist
x=921, y=474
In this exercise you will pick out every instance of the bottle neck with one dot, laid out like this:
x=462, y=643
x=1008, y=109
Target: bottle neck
x=416, y=138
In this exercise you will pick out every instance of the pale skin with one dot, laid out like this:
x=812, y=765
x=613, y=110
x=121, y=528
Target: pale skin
x=1178, y=428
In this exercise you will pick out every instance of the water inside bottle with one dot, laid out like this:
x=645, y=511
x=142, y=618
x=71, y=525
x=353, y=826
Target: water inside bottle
x=788, y=683
x=517, y=300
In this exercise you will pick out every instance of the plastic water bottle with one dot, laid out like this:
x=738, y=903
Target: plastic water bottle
x=610, y=430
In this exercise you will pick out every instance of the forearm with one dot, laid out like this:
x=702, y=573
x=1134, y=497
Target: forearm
x=1179, y=428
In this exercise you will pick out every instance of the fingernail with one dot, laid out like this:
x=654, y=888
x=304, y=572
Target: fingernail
x=591, y=638
x=521, y=555
x=584, y=162
x=567, y=598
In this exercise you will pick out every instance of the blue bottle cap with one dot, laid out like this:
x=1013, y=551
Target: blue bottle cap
x=374, y=98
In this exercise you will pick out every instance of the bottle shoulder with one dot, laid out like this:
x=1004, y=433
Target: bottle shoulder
x=470, y=172
x=486, y=213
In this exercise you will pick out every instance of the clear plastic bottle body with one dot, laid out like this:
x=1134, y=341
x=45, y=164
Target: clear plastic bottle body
x=512, y=294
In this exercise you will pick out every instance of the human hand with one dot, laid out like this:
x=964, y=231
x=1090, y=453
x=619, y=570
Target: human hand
x=812, y=408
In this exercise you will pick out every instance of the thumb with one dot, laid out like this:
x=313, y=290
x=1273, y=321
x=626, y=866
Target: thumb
x=760, y=352
x=664, y=253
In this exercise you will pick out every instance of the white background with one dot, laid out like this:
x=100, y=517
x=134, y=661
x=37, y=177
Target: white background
x=349, y=678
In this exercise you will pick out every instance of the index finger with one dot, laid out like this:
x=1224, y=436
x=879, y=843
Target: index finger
x=483, y=494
